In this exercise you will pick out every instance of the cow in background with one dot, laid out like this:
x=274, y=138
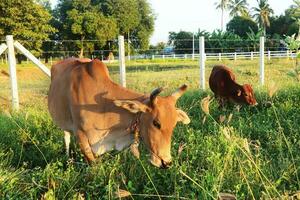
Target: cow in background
x=222, y=83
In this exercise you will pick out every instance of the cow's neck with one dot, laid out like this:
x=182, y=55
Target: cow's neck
x=123, y=133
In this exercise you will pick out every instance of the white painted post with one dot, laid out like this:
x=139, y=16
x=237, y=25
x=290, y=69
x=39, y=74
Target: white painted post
x=269, y=55
x=152, y=57
x=185, y=56
x=234, y=56
x=193, y=54
x=251, y=55
x=174, y=56
x=51, y=61
x=122, y=61
x=3, y=47
x=12, y=71
x=287, y=54
x=31, y=57
x=202, y=62
x=220, y=56
x=262, y=60
x=163, y=57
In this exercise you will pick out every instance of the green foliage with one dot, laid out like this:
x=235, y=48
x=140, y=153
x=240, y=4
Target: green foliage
x=241, y=25
x=238, y=8
x=253, y=155
x=81, y=20
x=293, y=42
x=25, y=20
x=182, y=41
x=259, y=144
x=262, y=14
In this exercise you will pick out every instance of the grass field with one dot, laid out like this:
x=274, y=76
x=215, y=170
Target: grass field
x=251, y=152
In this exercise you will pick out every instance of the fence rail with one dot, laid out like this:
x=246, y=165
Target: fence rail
x=219, y=56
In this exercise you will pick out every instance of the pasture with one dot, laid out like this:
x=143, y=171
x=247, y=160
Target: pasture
x=251, y=152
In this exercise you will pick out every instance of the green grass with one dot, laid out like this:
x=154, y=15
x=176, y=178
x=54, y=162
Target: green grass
x=254, y=155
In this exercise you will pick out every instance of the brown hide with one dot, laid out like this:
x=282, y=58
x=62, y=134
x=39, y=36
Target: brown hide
x=222, y=83
x=84, y=100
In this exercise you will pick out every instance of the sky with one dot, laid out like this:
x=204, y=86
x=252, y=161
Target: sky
x=191, y=15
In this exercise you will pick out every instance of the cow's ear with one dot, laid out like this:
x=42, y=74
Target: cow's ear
x=239, y=92
x=182, y=117
x=132, y=106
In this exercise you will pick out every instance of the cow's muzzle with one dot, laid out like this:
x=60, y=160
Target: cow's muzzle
x=165, y=165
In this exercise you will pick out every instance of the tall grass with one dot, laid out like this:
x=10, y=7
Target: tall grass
x=250, y=152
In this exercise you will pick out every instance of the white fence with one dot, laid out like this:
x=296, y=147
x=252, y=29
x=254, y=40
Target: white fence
x=201, y=57
x=220, y=56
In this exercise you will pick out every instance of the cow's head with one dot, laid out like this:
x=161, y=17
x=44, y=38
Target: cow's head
x=246, y=95
x=158, y=117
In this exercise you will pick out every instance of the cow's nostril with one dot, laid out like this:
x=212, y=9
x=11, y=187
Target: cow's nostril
x=165, y=165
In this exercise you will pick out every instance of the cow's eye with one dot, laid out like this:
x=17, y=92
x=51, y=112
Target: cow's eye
x=156, y=124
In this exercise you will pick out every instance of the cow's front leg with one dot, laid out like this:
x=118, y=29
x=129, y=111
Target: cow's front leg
x=67, y=137
x=85, y=146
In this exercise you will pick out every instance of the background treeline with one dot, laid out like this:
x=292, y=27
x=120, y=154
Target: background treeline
x=242, y=31
x=91, y=27
x=76, y=26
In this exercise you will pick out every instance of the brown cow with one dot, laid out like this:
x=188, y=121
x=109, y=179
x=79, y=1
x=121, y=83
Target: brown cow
x=103, y=115
x=222, y=83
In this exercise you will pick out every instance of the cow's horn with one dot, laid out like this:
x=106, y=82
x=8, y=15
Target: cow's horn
x=178, y=93
x=154, y=94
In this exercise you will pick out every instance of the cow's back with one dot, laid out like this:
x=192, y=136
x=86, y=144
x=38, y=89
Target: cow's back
x=221, y=79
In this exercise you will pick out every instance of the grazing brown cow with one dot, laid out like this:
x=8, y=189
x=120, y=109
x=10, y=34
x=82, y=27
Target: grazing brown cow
x=104, y=115
x=222, y=83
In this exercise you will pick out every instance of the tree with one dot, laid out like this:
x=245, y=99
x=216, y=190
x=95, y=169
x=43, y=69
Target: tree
x=223, y=5
x=181, y=41
x=82, y=21
x=238, y=8
x=27, y=21
x=295, y=11
x=282, y=25
x=262, y=14
x=145, y=27
x=135, y=20
x=240, y=26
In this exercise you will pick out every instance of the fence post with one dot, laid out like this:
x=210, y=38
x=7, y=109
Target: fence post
x=269, y=55
x=12, y=72
x=251, y=55
x=287, y=54
x=234, y=56
x=262, y=60
x=220, y=56
x=163, y=56
x=202, y=62
x=152, y=57
x=122, y=61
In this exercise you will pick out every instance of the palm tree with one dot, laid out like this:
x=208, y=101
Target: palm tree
x=238, y=8
x=262, y=14
x=296, y=15
x=223, y=5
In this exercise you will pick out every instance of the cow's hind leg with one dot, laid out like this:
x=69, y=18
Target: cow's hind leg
x=85, y=146
x=67, y=137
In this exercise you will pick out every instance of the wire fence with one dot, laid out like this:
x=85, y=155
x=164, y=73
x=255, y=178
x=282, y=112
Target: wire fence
x=178, y=49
